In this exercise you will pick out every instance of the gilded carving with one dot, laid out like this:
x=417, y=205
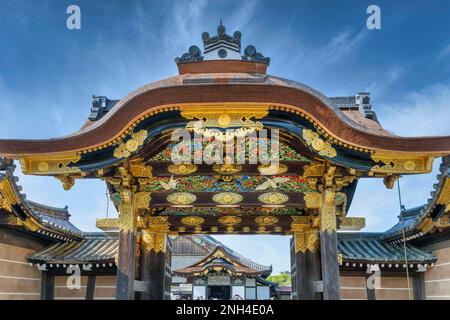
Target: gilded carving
x=107, y=224
x=181, y=198
x=300, y=223
x=142, y=200
x=141, y=170
x=271, y=169
x=444, y=196
x=182, y=168
x=225, y=115
x=351, y=223
x=227, y=168
x=397, y=163
x=322, y=147
x=266, y=220
x=229, y=220
x=443, y=222
x=314, y=170
x=192, y=220
x=227, y=198
x=67, y=181
x=153, y=241
x=125, y=149
x=328, y=211
x=426, y=225
x=300, y=242
x=127, y=218
x=312, y=200
x=312, y=240
x=7, y=195
x=273, y=198
x=53, y=165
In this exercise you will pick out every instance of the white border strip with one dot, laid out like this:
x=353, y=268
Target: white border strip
x=441, y=264
x=438, y=280
x=18, y=262
x=21, y=293
x=20, y=278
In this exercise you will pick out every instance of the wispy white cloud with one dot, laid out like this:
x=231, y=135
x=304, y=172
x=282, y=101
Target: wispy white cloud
x=183, y=23
x=419, y=113
x=416, y=113
x=388, y=78
x=444, y=53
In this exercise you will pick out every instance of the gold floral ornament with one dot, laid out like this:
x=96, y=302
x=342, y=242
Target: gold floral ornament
x=5, y=203
x=225, y=115
x=322, y=147
x=400, y=163
x=125, y=149
x=271, y=169
x=63, y=164
x=266, y=220
x=7, y=196
x=227, y=199
x=181, y=199
x=312, y=200
x=192, y=221
x=229, y=220
x=153, y=241
x=444, y=197
x=182, y=168
x=227, y=167
x=142, y=200
x=139, y=169
x=273, y=198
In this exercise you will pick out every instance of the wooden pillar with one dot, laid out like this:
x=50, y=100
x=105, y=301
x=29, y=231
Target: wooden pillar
x=328, y=246
x=153, y=264
x=307, y=264
x=313, y=263
x=90, y=289
x=300, y=267
x=127, y=248
x=47, y=286
x=418, y=282
x=126, y=266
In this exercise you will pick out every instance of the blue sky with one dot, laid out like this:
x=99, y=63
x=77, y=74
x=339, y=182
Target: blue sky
x=49, y=73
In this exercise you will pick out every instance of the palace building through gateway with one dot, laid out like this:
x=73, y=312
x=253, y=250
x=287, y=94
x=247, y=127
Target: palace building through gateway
x=162, y=244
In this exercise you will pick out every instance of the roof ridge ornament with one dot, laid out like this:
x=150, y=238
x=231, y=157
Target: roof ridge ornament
x=222, y=46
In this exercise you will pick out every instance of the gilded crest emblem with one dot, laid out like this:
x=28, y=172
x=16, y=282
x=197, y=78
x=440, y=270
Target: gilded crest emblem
x=272, y=169
x=192, y=221
x=273, y=198
x=266, y=220
x=229, y=220
x=182, y=168
x=181, y=198
x=227, y=198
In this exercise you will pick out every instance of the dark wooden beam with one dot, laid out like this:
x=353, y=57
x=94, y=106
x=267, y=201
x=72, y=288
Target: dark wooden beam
x=152, y=272
x=126, y=265
x=160, y=169
x=303, y=290
x=330, y=265
x=314, y=272
x=418, y=282
x=47, y=286
x=90, y=289
x=250, y=199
